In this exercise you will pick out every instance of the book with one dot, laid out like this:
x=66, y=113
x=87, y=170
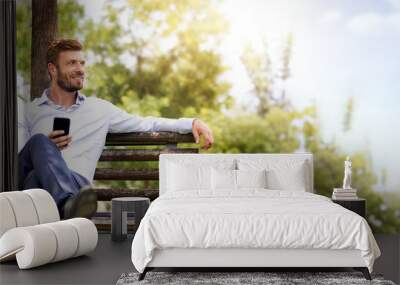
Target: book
x=336, y=197
x=345, y=199
x=341, y=190
x=345, y=194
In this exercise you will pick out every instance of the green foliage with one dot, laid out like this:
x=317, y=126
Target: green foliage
x=348, y=115
x=250, y=133
x=259, y=69
x=393, y=200
x=286, y=58
x=167, y=52
x=70, y=18
x=265, y=76
x=23, y=39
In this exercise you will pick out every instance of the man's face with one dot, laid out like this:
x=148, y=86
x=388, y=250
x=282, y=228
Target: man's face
x=70, y=72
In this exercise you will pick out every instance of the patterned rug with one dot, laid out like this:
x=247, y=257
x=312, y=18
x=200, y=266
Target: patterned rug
x=243, y=278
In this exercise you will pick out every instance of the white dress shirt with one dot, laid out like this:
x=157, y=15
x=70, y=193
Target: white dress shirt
x=91, y=119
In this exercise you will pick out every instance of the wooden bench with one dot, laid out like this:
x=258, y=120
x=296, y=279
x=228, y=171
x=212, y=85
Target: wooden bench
x=118, y=150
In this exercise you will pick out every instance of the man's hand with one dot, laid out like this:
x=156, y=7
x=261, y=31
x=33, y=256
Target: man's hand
x=198, y=129
x=60, y=140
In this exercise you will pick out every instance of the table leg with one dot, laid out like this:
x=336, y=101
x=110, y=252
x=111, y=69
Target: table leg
x=116, y=222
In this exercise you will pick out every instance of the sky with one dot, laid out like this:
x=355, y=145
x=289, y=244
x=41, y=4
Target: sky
x=341, y=49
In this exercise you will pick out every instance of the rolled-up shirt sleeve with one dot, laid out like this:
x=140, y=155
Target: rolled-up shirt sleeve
x=122, y=122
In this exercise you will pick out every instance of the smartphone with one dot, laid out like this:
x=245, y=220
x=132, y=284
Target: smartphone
x=61, y=124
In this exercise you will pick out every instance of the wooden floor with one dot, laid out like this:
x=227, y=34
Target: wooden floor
x=103, y=266
x=111, y=259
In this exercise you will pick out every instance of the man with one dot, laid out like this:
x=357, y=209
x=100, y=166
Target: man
x=64, y=165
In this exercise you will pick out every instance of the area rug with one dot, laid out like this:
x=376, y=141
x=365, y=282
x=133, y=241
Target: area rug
x=243, y=278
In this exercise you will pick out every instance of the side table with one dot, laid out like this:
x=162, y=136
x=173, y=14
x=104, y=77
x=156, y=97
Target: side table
x=356, y=205
x=119, y=214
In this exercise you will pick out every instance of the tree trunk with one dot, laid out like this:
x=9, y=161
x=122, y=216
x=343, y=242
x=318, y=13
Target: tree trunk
x=44, y=30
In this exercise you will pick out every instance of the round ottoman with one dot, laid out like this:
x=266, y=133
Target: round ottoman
x=119, y=214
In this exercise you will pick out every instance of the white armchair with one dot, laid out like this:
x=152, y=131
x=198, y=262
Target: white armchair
x=31, y=230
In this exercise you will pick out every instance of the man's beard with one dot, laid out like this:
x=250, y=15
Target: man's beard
x=65, y=83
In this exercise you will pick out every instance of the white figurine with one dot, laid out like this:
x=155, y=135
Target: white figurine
x=347, y=174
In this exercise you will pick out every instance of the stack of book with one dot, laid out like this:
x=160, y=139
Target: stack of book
x=344, y=194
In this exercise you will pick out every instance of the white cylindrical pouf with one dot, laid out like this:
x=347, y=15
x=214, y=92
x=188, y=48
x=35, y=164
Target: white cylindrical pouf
x=23, y=208
x=34, y=246
x=45, y=205
x=87, y=234
x=67, y=239
x=7, y=218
